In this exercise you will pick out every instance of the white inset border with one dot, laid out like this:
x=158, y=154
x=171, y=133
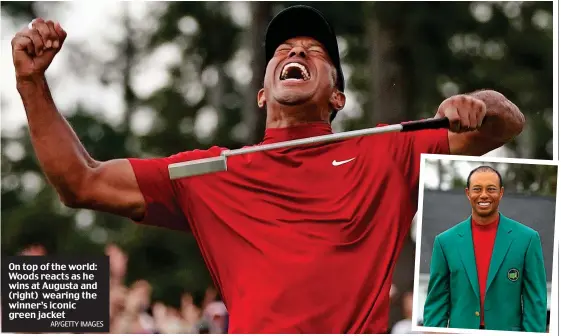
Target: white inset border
x=554, y=294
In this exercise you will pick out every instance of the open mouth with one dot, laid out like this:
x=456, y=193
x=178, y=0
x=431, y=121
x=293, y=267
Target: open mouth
x=484, y=204
x=294, y=72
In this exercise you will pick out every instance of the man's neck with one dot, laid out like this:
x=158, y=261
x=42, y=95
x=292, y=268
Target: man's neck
x=485, y=220
x=290, y=116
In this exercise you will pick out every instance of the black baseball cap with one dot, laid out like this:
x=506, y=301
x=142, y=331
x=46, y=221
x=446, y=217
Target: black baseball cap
x=303, y=20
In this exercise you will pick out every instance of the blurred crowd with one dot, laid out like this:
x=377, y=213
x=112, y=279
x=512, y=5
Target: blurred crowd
x=132, y=311
x=404, y=326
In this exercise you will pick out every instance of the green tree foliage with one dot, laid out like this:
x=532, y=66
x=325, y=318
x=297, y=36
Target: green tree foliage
x=518, y=178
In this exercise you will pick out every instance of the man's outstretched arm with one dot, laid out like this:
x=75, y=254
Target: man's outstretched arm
x=79, y=180
x=469, y=134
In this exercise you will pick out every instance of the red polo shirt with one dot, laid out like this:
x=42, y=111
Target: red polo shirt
x=483, y=243
x=299, y=240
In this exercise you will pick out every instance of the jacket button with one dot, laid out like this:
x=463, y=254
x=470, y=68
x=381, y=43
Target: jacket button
x=476, y=313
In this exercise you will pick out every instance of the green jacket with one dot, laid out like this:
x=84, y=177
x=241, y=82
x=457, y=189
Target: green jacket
x=516, y=294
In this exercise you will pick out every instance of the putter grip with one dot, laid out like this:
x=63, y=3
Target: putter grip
x=418, y=125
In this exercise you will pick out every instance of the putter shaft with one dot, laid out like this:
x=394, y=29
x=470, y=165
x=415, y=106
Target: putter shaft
x=313, y=140
x=218, y=164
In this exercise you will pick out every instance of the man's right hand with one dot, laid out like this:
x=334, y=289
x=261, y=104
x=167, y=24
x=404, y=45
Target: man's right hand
x=80, y=180
x=33, y=49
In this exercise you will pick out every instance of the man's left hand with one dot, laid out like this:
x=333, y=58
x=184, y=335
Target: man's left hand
x=465, y=113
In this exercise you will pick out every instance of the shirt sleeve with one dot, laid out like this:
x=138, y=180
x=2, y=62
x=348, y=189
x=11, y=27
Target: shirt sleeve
x=163, y=207
x=408, y=147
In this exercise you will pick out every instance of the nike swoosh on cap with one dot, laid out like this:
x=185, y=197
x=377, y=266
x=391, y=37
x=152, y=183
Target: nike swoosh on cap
x=338, y=163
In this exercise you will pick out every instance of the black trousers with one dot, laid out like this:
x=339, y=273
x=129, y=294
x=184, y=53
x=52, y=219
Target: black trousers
x=481, y=327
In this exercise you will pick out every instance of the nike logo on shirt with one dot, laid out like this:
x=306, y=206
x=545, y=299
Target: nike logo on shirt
x=338, y=163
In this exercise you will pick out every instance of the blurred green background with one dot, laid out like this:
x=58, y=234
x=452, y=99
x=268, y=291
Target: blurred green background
x=155, y=78
x=522, y=179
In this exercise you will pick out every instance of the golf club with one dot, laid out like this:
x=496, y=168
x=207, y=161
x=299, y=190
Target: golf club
x=219, y=163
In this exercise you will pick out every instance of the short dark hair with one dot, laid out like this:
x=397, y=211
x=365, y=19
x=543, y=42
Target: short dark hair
x=485, y=169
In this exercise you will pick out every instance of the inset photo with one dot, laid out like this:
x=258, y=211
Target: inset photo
x=485, y=247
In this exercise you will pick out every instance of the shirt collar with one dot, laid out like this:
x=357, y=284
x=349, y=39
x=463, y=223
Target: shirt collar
x=489, y=226
x=308, y=130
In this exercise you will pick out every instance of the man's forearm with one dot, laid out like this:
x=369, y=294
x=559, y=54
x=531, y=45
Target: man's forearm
x=504, y=121
x=59, y=151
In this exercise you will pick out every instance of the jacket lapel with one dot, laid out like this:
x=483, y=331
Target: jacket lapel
x=500, y=249
x=467, y=254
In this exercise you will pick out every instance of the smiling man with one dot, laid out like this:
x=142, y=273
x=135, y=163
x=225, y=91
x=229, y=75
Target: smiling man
x=487, y=272
x=298, y=240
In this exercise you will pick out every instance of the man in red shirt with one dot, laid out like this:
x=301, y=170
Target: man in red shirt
x=487, y=272
x=299, y=240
